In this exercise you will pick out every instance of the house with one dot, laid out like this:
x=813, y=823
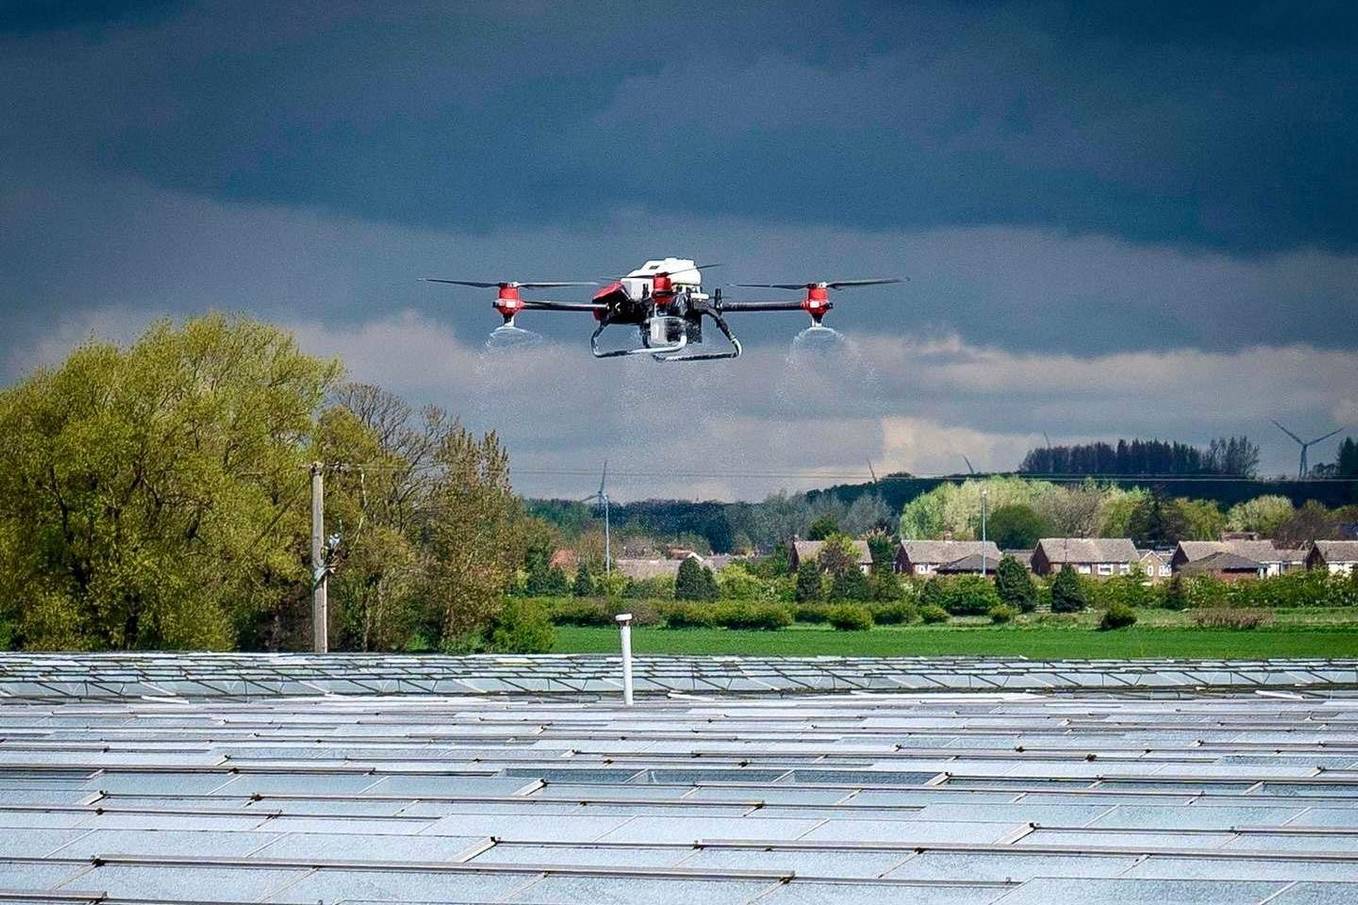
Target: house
x=1274, y=560
x=809, y=550
x=1224, y=565
x=1339, y=557
x=646, y=569
x=1025, y=557
x=1101, y=556
x=971, y=564
x=1155, y=565
x=923, y=557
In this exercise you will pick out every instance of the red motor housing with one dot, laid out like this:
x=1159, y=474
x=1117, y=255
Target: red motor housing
x=817, y=301
x=508, y=302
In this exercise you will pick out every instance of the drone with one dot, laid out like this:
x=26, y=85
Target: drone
x=664, y=300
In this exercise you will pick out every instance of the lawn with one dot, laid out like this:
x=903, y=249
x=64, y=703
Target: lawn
x=1041, y=642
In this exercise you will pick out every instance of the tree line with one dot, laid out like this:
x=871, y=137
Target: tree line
x=158, y=497
x=1235, y=456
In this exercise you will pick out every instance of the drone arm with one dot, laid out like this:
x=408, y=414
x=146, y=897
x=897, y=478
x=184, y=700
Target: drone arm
x=562, y=306
x=761, y=306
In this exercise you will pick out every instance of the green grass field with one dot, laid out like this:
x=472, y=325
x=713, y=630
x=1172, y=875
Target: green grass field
x=1036, y=642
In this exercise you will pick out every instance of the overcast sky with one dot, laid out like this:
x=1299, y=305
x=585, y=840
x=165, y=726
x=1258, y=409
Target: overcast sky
x=1132, y=223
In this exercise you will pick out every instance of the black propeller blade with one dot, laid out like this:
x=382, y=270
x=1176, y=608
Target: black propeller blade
x=537, y=284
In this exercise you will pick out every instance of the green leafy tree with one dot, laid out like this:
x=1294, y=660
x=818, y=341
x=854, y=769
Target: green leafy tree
x=711, y=589
x=849, y=584
x=1157, y=521
x=1015, y=585
x=883, y=551
x=1264, y=514
x=160, y=490
x=583, y=585
x=1068, y=594
x=475, y=529
x=1203, y=519
x=693, y=582
x=810, y=582
x=1016, y=526
x=838, y=554
x=377, y=502
x=822, y=528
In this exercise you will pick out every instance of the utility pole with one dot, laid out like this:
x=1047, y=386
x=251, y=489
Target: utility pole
x=985, y=495
x=320, y=571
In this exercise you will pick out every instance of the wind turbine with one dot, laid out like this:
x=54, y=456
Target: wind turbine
x=601, y=497
x=1305, y=445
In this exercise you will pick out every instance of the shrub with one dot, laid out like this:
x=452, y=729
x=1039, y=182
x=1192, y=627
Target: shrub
x=579, y=612
x=644, y=612
x=1223, y=617
x=930, y=614
x=1015, y=586
x=1068, y=594
x=689, y=615
x=850, y=617
x=1001, y=613
x=1118, y=615
x=884, y=585
x=811, y=613
x=764, y=616
x=658, y=588
x=1175, y=595
x=521, y=627
x=898, y=612
x=737, y=583
x=968, y=595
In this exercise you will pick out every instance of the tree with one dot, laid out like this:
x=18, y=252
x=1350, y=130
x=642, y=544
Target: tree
x=1016, y=526
x=1015, y=586
x=1264, y=514
x=882, y=549
x=1203, y=519
x=584, y=582
x=1346, y=460
x=693, y=581
x=849, y=584
x=810, y=582
x=476, y=526
x=1157, y=521
x=160, y=491
x=1068, y=595
x=1311, y=521
x=823, y=528
x=838, y=554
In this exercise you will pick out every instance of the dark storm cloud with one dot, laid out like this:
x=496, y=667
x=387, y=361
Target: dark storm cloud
x=1187, y=124
x=1118, y=218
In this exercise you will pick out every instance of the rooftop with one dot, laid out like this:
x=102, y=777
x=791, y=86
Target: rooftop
x=1013, y=798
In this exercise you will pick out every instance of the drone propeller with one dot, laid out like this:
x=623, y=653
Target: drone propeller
x=538, y=284
x=826, y=284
